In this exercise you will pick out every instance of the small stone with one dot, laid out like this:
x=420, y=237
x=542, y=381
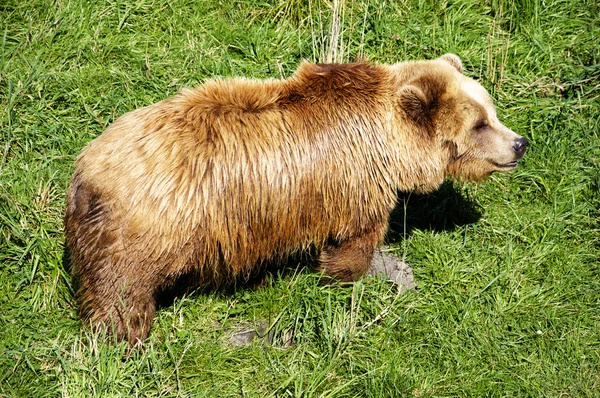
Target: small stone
x=393, y=269
x=245, y=334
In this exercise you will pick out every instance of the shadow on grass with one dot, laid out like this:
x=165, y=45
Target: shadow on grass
x=443, y=210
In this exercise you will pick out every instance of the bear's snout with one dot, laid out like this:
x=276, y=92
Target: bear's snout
x=520, y=147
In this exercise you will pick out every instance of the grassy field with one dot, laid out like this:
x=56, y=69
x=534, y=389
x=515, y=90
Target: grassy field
x=508, y=271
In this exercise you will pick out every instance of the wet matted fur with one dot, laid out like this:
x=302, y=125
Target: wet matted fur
x=210, y=185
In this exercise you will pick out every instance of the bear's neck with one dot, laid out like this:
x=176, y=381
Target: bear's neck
x=418, y=162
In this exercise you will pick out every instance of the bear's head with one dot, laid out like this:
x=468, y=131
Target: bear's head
x=457, y=113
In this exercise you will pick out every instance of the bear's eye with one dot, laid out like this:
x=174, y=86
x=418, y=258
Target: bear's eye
x=480, y=125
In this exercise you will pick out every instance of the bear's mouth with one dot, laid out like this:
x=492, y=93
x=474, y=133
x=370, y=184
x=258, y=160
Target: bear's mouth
x=509, y=165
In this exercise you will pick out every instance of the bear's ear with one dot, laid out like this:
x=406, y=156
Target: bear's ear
x=415, y=103
x=453, y=60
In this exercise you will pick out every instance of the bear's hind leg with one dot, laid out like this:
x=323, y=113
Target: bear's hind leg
x=115, y=297
x=126, y=312
x=115, y=292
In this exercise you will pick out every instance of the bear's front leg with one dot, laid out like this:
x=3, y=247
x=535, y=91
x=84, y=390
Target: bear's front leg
x=349, y=260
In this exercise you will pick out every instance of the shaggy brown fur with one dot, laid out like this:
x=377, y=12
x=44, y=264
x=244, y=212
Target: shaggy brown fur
x=219, y=180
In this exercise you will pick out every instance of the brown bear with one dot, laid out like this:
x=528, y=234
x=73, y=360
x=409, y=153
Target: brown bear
x=210, y=185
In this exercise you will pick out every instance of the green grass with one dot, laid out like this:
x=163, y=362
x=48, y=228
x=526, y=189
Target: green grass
x=508, y=271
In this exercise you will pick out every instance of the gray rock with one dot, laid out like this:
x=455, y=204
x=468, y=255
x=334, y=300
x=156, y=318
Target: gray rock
x=391, y=268
x=245, y=334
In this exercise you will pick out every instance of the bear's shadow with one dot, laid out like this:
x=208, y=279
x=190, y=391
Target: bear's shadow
x=445, y=209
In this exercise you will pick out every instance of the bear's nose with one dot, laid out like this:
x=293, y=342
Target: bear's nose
x=520, y=146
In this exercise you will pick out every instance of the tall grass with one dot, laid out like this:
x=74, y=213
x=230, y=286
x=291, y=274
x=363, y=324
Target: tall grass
x=508, y=271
